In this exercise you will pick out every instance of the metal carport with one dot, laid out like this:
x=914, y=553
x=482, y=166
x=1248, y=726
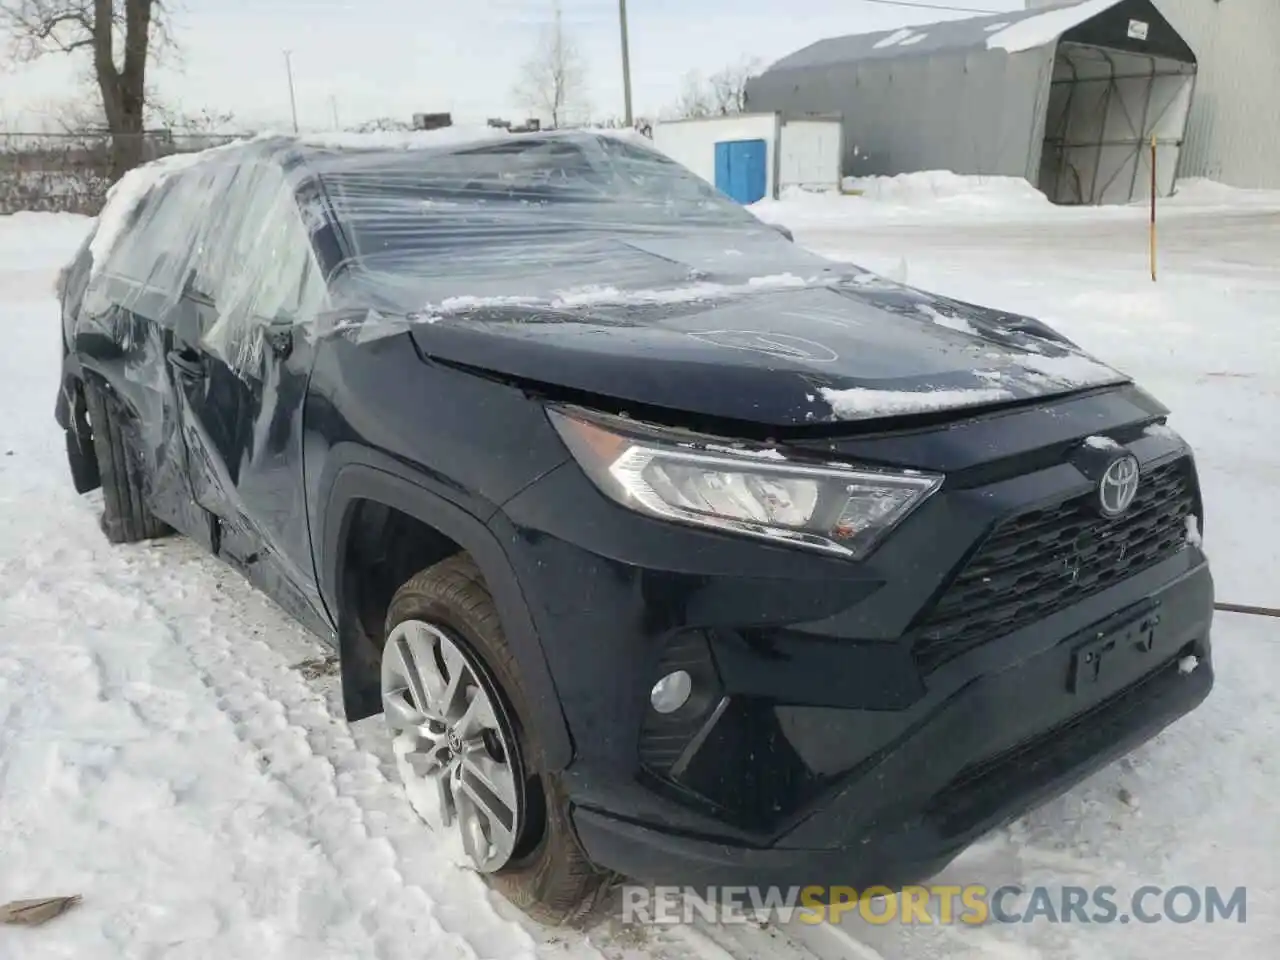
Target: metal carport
x=1068, y=97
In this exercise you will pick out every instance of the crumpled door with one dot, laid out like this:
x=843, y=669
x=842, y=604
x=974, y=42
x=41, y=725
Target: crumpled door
x=242, y=369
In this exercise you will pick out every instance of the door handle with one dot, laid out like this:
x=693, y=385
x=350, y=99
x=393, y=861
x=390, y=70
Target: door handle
x=187, y=362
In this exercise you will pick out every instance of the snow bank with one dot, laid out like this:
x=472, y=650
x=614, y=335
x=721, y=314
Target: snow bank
x=946, y=197
x=1201, y=193
x=1032, y=32
x=934, y=186
x=31, y=241
x=929, y=194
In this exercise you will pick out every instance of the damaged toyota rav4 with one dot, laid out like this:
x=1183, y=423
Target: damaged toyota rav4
x=665, y=547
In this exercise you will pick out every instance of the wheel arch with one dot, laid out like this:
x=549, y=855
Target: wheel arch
x=376, y=479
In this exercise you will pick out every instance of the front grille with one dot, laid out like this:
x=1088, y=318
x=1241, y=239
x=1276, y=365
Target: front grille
x=1041, y=561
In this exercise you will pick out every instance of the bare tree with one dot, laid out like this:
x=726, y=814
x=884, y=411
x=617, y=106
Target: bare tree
x=695, y=98
x=729, y=86
x=119, y=35
x=723, y=94
x=192, y=123
x=553, y=80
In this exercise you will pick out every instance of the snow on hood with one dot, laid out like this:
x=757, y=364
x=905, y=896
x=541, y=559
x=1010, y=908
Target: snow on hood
x=857, y=403
x=599, y=296
x=784, y=351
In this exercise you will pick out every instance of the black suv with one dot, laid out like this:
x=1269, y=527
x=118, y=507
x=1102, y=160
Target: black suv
x=665, y=547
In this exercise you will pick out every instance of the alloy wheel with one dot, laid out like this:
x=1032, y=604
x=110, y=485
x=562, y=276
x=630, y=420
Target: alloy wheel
x=454, y=745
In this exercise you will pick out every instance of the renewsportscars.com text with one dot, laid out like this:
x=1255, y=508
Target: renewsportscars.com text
x=972, y=904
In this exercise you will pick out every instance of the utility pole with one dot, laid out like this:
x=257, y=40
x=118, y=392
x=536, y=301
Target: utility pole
x=293, y=101
x=333, y=107
x=626, y=63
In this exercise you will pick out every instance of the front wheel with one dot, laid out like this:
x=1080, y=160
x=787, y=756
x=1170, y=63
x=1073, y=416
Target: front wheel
x=450, y=688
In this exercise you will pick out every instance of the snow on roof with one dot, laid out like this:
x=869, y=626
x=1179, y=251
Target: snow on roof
x=403, y=140
x=896, y=37
x=129, y=190
x=1012, y=31
x=446, y=137
x=1047, y=25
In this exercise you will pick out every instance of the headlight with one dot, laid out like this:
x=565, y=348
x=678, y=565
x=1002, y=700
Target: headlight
x=837, y=509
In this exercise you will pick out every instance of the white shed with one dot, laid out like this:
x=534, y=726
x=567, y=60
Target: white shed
x=751, y=156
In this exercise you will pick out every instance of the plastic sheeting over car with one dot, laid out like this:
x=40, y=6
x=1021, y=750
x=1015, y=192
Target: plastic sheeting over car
x=495, y=248
x=210, y=245
x=234, y=244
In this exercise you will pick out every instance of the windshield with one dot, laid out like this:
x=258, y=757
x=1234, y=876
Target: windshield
x=530, y=217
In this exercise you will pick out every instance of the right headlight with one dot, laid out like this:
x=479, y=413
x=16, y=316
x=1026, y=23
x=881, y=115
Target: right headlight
x=760, y=493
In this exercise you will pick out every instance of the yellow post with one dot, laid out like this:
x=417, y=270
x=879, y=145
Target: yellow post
x=1153, y=208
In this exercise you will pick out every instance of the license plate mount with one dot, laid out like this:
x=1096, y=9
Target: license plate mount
x=1092, y=657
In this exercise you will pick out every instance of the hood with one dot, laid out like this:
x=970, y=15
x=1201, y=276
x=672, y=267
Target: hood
x=825, y=343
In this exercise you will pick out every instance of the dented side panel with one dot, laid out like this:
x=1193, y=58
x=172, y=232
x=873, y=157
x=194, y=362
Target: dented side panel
x=188, y=286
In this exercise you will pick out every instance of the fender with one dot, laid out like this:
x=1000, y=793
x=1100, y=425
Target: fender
x=377, y=477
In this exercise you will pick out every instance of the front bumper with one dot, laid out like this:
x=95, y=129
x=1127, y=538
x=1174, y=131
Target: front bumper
x=821, y=744
x=988, y=753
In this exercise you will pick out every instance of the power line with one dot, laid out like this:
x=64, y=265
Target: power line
x=522, y=10
x=934, y=6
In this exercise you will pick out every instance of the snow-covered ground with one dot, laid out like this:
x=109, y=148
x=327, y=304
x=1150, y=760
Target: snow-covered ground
x=162, y=753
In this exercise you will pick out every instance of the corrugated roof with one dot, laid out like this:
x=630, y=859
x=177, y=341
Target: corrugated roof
x=1017, y=30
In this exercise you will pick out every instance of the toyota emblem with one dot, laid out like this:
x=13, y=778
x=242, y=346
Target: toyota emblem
x=1119, y=485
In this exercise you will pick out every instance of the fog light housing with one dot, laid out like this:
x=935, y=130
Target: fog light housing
x=671, y=692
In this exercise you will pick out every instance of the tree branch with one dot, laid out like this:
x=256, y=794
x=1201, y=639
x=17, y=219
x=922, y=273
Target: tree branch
x=44, y=26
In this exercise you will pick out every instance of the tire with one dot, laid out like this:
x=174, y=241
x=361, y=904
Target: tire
x=125, y=517
x=549, y=877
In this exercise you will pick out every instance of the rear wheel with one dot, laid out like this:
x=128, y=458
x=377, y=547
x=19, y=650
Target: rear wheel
x=125, y=517
x=452, y=699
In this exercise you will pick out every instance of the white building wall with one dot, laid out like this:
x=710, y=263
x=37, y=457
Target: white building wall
x=693, y=142
x=1233, y=134
x=810, y=154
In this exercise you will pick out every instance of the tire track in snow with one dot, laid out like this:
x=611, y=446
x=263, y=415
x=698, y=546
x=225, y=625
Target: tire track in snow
x=340, y=788
x=399, y=889
x=337, y=779
x=391, y=865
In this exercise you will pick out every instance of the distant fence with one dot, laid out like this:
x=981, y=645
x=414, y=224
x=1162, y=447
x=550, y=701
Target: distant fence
x=69, y=173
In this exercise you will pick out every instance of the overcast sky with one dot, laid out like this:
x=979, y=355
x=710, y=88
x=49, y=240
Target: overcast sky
x=396, y=57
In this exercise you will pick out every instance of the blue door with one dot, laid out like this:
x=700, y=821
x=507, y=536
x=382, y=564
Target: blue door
x=741, y=169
